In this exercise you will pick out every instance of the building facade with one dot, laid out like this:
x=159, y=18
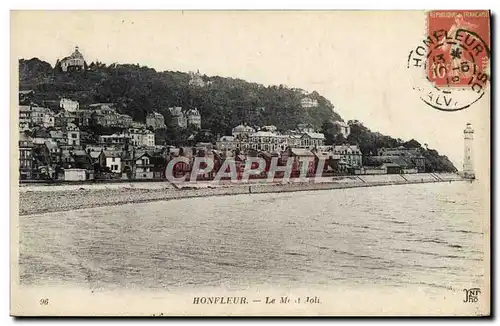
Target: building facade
x=141, y=137
x=73, y=134
x=42, y=117
x=344, y=128
x=178, y=117
x=155, y=120
x=308, y=102
x=25, y=156
x=349, y=154
x=69, y=105
x=194, y=118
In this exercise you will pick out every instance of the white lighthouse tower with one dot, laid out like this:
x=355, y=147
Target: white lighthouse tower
x=468, y=169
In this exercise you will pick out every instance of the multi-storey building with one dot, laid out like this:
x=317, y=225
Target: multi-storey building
x=25, y=156
x=141, y=137
x=155, y=120
x=69, y=105
x=194, y=118
x=24, y=117
x=344, y=128
x=308, y=102
x=42, y=117
x=73, y=134
x=178, y=117
x=349, y=154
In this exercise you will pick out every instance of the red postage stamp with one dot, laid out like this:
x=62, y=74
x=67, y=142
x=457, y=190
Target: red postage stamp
x=462, y=53
x=450, y=67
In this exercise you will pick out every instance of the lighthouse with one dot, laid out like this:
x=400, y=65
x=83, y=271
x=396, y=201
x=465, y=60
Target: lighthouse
x=468, y=168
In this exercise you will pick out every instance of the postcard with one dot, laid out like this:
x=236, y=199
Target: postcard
x=250, y=163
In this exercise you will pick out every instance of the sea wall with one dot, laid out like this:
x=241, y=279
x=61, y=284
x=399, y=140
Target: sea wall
x=40, y=199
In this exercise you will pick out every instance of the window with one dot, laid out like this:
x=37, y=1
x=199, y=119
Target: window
x=112, y=159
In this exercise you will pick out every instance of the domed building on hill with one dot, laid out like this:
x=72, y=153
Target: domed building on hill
x=75, y=62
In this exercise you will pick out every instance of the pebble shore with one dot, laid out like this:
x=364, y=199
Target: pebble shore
x=40, y=199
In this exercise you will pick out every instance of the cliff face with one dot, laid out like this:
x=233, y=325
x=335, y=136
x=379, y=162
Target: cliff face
x=222, y=102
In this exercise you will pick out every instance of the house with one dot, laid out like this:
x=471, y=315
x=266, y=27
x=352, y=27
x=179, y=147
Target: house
x=72, y=134
x=24, y=117
x=42, y=117
x=69, y=105
x=114, y=139
x=143, y=166
x=343, y=128
x=194, y=118
x=57, y=136
x=155, y=120
x=25, y=156
x=75, y=62
x=113, y=161
x=141, y=137
x=349, y=154
x=178, y=117
x=242, y=131
x=312, y=140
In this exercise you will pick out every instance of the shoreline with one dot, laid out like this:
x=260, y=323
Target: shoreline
x=50, y=199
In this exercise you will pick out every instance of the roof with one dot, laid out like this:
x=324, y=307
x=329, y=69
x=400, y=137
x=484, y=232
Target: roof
x=301, y=152
x=352, y=148
x=110, y=153
x=227, y=138
x=316, y=135
x=176, y=111
x=391, y=165
x=140, y=154
x=243, y=128
x=95, y=154
x=79, y=152
x=264, y=134
x=193, y=112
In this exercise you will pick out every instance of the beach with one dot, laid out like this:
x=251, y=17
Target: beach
x=35, y=199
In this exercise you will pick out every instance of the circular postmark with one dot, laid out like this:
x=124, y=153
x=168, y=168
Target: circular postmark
x=450, y=70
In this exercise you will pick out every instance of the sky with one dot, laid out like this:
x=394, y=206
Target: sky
x=357, y=60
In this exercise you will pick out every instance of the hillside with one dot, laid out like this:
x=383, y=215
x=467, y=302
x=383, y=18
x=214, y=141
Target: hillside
x=222, y=102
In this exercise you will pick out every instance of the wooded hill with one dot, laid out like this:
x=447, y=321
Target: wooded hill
x=223, y=102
